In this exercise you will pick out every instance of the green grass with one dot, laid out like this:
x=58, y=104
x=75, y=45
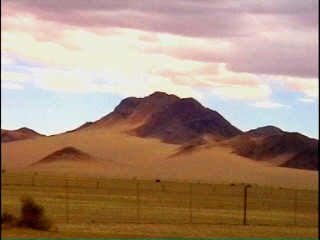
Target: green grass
x=110, y=201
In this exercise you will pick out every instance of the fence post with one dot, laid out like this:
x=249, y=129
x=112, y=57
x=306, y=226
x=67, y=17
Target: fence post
x=138, y=202
x=190, y=202
x=97, y=183
x=67, y=201
x=245, y=205
x=295, y=206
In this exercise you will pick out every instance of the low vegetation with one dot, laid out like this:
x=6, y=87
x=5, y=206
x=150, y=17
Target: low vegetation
x=32, y=216
x=9, y=220
x=89, y=207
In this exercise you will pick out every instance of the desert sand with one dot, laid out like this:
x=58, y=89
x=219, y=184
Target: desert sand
x=122, y=155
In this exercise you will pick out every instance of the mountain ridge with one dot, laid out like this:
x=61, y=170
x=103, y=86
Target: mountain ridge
x=184, y=121
x=264, y=131
x=18, y=135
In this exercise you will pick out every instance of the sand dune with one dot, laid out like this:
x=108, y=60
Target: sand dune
x=126, y=156
x=67, y=154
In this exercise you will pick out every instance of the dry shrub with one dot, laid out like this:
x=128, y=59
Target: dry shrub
x=9, y=219
x=32, y=215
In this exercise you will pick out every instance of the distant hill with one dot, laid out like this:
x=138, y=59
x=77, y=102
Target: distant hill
x=303, y=148
x=305, y=159
x=67, y=154
x=16, y=135
x=134, y=110
x=185, y=120
x=264, y=131
x=167, y=117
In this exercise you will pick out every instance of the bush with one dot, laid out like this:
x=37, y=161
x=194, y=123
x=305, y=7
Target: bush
x=9, y=219
x=32, y=215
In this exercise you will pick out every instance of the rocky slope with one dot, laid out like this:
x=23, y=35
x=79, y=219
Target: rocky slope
x=20, y=134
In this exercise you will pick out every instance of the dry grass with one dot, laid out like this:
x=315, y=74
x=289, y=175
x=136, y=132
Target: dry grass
x=97, y=204
x=125, y=230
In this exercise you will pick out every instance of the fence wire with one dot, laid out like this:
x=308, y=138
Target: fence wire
x=88, y=200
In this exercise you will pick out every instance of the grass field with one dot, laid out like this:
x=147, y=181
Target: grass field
x=79, y=204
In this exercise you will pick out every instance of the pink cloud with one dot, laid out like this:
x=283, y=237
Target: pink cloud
x=183, y=42
x=268, y=104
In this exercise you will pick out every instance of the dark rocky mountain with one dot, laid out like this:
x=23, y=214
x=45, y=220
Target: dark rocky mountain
x=19, y=134
x=285, y=143
x=66, y=154
x=305, y=159
x=135, y=110
x=167, y=117
x=264, y=131
x=296, y=144
x=185, y=120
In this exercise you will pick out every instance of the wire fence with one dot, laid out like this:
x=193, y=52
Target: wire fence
x=88, y=200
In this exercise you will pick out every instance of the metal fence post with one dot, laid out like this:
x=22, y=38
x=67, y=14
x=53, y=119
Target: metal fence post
x=190, y=202
x=295, y=206
x=245, y=205
x=97, y=184
x=67, y=201
x=138, y=202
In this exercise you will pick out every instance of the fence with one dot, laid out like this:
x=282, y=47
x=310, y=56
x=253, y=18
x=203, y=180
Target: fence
x=88, y=200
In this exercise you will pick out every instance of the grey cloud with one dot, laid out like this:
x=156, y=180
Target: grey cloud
x=300, y=12
x=182, y=17
x=270, y=56
x=224, y=19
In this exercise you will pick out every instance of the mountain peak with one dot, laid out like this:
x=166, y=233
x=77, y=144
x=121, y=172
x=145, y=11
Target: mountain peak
x=184, y=120
x=29, y=131
x=168, y=117
x=264, y=131
x=159, y=94
x=189, y=101
x=136, y=110
x=127, y=106
x=19, y=134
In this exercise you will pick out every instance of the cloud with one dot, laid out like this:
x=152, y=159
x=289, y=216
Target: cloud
x=306, y=100
x=6, y=60
x=10, y=76
x=268, y=104
x=187, y=18
x=286, y=52
x=11, y=86
x=14, y=80
x=178, y=45
x=118, y=56
x=222, y=82
x=259, y=92
x=308, y=86
x=79, y=81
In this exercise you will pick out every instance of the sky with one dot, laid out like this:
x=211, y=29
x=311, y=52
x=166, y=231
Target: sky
x=64, y=63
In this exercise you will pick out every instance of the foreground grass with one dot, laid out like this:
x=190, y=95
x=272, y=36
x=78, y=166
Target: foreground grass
x=122, y=230
x=86, y=207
